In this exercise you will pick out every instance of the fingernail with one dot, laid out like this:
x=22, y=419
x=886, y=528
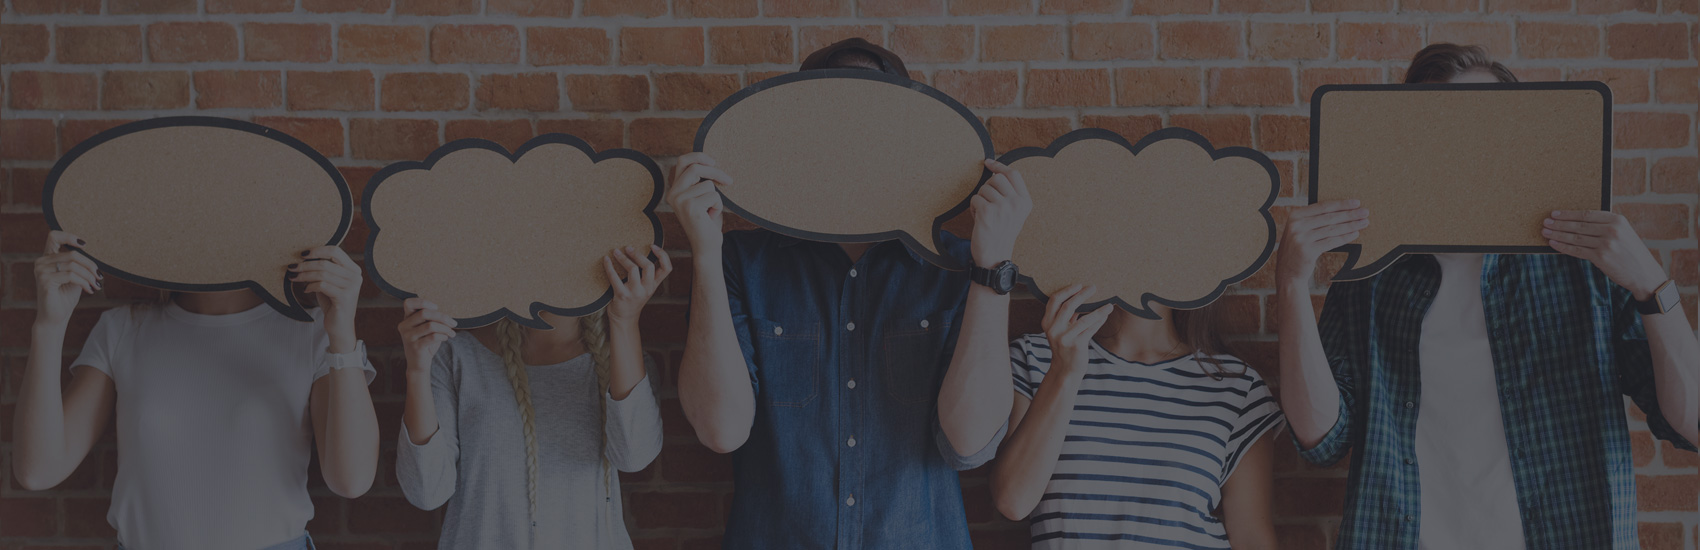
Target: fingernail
x=1547, y=232
x=289, y=276
x=304, y=253
x=81, y=242
x=292, y=266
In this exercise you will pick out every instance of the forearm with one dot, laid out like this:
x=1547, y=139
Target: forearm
x=419, y=413
x=350, y=455
x=1676, y=370
x=1309, y=396
x=39, y=454
x=976, y=395
x=1029, y=456
x=714, y=381
x=625, y=358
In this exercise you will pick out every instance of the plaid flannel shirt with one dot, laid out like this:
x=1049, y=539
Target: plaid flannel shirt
x=1566, y=344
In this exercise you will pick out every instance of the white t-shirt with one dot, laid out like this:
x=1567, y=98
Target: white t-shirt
x=1147, y=450
x=214, y=430
x=1463, y=467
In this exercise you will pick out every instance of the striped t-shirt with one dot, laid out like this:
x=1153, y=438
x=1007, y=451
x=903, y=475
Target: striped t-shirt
x=1147, y=450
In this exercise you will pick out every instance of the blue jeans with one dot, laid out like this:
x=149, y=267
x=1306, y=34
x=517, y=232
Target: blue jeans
x=304, y=542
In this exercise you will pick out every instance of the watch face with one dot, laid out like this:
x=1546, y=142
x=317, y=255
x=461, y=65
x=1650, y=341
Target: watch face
x=1667, y=297
x=1006, y=278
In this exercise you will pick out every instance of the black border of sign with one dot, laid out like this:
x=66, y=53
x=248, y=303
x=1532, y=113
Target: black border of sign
x=877, y=76
x=1144, y=308
x=478, y=143
x=289, y=306
x=1357, y=272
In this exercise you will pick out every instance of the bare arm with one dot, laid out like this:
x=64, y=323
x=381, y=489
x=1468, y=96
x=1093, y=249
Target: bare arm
x=1246, y=498
x=714, y=379
x=1676, y=370
x=345, y=426
x=974, y=400
x=53, y=430
x=1310, y=396
x=643, y=277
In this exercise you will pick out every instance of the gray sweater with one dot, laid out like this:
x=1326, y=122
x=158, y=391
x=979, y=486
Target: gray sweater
x=478, y=454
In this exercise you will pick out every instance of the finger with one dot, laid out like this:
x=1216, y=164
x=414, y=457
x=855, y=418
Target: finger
x=82, y=271
x=1074, y=302
x=613, y=276
x=1580, y=228
x=646, y=267
x=979, y=203
x=58, y=239
x=1591, y=216
x=411, y=305
x=1335, y=242
x=1053, y=303
x=692, y=191
x=62, y=278
x=82, y=260
x=1572, y=250
x=1331, y=218
x=666, y=261
x=334, y=254
x=631, y=269
x=1088, y=324
x=1572, y=238
x=696, y=157
x=1323, y=207
x=439, y=317
x=1337, y=230
x=1001, y=183
x=699, y=173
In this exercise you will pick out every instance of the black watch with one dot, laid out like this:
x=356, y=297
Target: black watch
x=1663, y=299
x=1000, y=278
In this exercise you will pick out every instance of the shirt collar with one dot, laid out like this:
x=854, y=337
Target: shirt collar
x=787, y=241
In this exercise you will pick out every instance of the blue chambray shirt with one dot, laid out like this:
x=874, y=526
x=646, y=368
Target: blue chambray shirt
x=846, y=360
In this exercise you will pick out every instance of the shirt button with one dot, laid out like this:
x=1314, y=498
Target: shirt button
x=778, y=331
x=852, y=272
x=924, y=323
x=1410, y=405
x=850, y=326
x=851, y=384
x=851, y=442
x=1409, y=462
x=850, y=501
x=1410, y=518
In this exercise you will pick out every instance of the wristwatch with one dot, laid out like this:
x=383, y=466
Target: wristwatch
x=354, y=358
x=1000, y=278
x=1663, y=299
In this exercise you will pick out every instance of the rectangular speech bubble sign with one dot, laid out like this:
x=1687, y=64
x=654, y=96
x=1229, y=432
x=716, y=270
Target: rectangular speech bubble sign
x=1458, y=168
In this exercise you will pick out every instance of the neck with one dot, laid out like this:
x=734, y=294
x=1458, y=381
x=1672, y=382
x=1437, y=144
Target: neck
x=217, y=303
x=547, y=347
x=855, y=250
x=1139, y=339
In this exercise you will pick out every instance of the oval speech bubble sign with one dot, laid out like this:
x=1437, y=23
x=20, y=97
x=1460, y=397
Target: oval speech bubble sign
x=488, y=235
x=1169, y=220
x=848, y=155
x=199, y=204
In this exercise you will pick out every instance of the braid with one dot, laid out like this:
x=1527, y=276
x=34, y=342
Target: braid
x=512, y=338
x=593, y=333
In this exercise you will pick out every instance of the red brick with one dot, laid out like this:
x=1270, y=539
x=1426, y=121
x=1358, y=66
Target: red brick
x=322, y=134
x=331, y=90
x=474, y=44
x=1536, y=74
x=1221, y=130
x=900, y=8
x=1660, y=536
x=607, y=92
x=661, y=46
x=297, y=42
x=725, y=9
x=675, y=509
x=436, y=7
x=522, y=92
x=191, y=42
x=1199, y=40
x=1549, y=40
x=933, y=43
x=250, y=6
x=1627, y=85
x=1132, y=127
x=1171, y=7
x=1158, y=86
x=1112, y=41
x=346, y=6
x=23, y=43
x=750, y=45
x=1337, y=6
x=1283, y=133
x=1009, y=133
x=1676, y=175
x=1261, y=6
x=693, y=91
x=1254, y=86
x=129, y=7
x=664, y=137
x=1677, y=85
x=1495, y=37
x=26, y=189
x=1290, y=40
x=1660, y=493
x=28, y=517
x=36, y=90
x=100, y=44
x=1639, y=130
x=1603, y=7
x=1628, y=176
x=1657, y=221
x=1528, y=6
x=989, y=7
x=126, y=90
x=511, y=134
x=979, y=89
x=1379, y=41
x=805, y=8
x=86, y=517
x=1642, y=448
x=603, y=134
x=425, y=92
x=1648, y=41
x=1440, y=6
x=628, y=8
x=238, y=89
x=1022, y=42
x=397, y=44
x=1053, y=7
x=1068, y=88
x=530, y=8
x=816, y=37
x=566, y=46
x=1311, y=79
x=392, y=139
x=1672, y=457
x=74, y=131
x=82, y=7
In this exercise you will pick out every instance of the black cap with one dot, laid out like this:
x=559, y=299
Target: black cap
x=889, y=62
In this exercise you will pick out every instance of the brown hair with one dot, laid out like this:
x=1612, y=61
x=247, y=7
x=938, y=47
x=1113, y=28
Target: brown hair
x=1201, y=330
x=1445, y=61
x=839, y=54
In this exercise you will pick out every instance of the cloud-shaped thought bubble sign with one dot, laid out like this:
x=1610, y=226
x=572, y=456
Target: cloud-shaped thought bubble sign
x=199, y=204
x=488, y=235
x=1169, y=220
x=1447, y=168
x=847, y=155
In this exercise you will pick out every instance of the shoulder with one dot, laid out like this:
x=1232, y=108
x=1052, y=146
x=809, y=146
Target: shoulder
x=1232, y=369
x=1033, y=349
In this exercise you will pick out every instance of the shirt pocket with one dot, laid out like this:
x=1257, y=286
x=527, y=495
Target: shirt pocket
x=788, y=357
x=911, y=350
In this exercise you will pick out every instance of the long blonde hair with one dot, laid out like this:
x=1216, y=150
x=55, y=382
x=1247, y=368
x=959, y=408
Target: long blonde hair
x=593, y=333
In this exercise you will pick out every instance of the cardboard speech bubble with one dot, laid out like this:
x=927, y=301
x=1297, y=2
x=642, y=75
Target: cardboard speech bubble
x=1448, y=168
x=848, y=155
x=1170, y=220
x=488, y=235
x=199, y=204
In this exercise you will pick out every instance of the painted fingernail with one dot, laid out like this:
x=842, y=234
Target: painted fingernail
x=81, y=242
x=304, y=253
x=292, y=266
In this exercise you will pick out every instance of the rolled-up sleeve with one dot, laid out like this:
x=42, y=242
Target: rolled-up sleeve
x=1344, y=331
x=428, y=472
x=634, y=424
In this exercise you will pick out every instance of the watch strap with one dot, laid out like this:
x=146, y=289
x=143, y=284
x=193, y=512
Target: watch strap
x=1661, y=300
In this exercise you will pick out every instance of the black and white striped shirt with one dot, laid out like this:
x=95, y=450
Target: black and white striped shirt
x=1147, y=450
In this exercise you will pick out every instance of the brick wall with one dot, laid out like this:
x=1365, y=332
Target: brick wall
x=368, y=82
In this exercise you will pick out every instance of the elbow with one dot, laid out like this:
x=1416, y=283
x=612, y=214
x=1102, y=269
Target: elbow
x=723, y=440
x=1012, y=508
x=351, y=484
x=32, y=480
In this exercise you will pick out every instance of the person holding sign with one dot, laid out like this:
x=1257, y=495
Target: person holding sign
x=1133, y=431
x=1480, y=396
x=850, y=381
x=220, y=401
x=520, y=430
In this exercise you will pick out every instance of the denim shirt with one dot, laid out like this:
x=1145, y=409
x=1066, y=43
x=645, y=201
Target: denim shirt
x=846, y=360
